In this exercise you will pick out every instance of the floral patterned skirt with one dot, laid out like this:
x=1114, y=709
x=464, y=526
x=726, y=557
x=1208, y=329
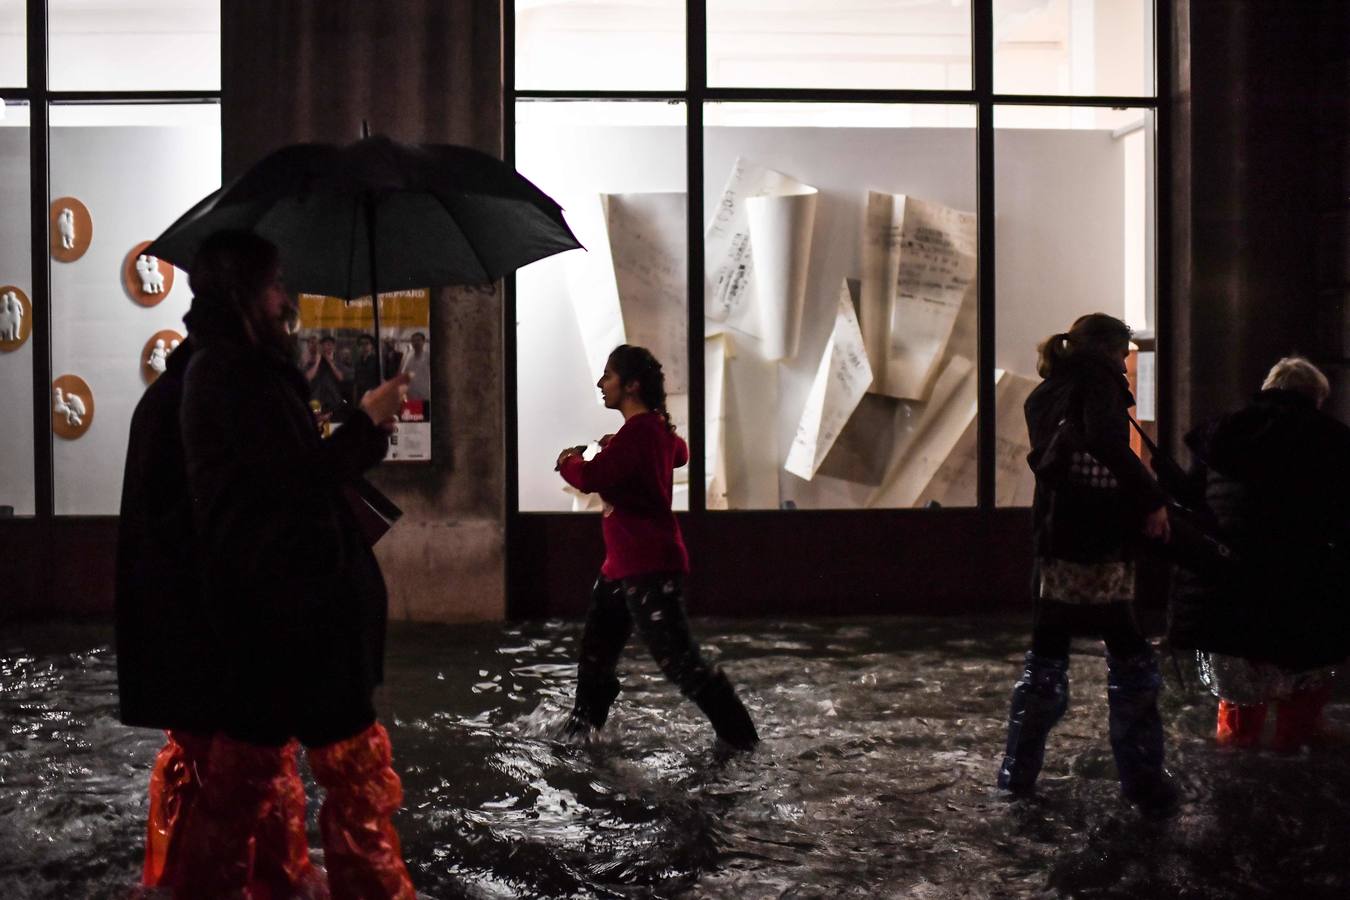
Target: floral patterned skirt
x=1094, y=583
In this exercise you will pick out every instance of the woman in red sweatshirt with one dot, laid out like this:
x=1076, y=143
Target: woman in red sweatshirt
x=642, y=579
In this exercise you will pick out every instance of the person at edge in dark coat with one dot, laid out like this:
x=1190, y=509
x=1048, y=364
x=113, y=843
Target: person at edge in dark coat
x=1276, y=477
x=291, y=589
x=168, y=658
x=1084, y=523
x=642, y=579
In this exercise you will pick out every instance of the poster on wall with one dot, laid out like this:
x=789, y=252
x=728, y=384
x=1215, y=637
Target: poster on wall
x=338, y=359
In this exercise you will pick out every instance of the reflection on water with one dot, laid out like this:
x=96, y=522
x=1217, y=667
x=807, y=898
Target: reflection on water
x=881, y=742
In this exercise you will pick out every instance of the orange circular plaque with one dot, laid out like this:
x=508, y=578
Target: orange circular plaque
x=16, y=318
x=148, y=280
x=72, y=407
x=155, y=355
x=71, y=229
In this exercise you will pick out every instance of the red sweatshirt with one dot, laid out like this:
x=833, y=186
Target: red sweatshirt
x=633, y=475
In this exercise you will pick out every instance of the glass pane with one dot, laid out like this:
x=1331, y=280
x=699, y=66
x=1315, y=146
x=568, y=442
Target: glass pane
x=152, y=45
x=119, y=176
x=840, y=305
x=618, y=169
x=1074, y=235
x=16, y=314
x=1076, y=47
x=13, y=43
x=914, y=44
x=626, y=45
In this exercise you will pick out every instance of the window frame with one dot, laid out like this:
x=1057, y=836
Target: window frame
x=40, y=99
x=981, y=96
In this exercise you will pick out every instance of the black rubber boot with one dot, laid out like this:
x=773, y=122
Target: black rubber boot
x=591, y=709
x=1132, y=686
x=1039, y=699
x=728, y=715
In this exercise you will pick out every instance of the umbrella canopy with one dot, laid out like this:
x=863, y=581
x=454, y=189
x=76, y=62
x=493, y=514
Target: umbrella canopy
x=439, y=215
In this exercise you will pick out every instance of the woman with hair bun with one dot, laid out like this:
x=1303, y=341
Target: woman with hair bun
x=642, y=579
x=1093, y=494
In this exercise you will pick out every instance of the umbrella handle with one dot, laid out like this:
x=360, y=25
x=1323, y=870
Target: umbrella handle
x=369, y=201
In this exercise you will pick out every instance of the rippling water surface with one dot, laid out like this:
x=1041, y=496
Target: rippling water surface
x=881, y=741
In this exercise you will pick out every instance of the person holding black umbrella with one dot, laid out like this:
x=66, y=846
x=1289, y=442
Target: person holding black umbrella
x=291, y=589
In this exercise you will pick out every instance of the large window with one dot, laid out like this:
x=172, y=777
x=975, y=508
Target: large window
x=120, y=136
x=895, y=201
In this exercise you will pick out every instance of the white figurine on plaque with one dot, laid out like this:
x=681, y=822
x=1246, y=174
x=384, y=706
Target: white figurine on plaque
x=152, y=279
x=65, y=223
x=158, y=356
x=70, y=406
x=11, y=317
x=173, y=344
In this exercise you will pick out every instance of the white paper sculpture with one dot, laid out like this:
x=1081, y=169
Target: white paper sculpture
x=11, y=317
x=70, y=406
x=648, y=240
x=841, y=380
x=918, y=268
x=158, y=356
x=65, y=224
x=758, y=248
x=152, y=279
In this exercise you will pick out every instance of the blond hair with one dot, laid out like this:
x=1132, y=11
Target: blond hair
x=1294, y=373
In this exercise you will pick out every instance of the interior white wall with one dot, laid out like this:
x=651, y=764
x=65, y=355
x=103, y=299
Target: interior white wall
x=135, y=181
x=1059, y=250
x=16, y=368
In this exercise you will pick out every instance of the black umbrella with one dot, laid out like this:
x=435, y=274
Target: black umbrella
x=439, y=215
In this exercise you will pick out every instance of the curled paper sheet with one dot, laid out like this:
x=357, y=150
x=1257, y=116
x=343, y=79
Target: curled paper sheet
x=648, y=239
x=757, y=255
x=953, y=484
x=716, y=350
x=780, y=246
x=945, y=417
x=841, y=380
x=919, y=262
x=593, y=290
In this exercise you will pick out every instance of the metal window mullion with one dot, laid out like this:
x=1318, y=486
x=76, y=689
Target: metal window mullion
x=982, y=36
x=696, y=79
x=39, y=286
x=1164, y=287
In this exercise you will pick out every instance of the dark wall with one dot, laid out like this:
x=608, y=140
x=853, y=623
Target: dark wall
x=1259, y=195
x=421, y=71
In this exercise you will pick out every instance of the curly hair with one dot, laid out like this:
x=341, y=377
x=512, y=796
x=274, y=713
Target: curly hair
x=632, y=363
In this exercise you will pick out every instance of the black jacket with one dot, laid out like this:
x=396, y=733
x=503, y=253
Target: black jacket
x=1277, y=481
x=290, y=586
x=1088, y=526
x=167, y=657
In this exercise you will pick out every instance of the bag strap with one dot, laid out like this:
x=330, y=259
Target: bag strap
x=1148, y=441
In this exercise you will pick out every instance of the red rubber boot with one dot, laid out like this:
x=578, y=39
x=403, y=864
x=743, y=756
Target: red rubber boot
x=175, y=783
x=281, y=866
x=219, y=834
x=1240, y=726
x=360, y=846
x=1299, y=719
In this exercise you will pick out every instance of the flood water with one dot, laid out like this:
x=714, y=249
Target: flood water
x=881, y=740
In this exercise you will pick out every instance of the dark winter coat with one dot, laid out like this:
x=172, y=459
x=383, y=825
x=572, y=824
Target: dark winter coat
x=167, y=657
x=1082, y=525
x=290, y=586
x=1277, y=480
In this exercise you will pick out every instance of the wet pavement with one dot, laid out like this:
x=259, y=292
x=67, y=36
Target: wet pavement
x=882, y=737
